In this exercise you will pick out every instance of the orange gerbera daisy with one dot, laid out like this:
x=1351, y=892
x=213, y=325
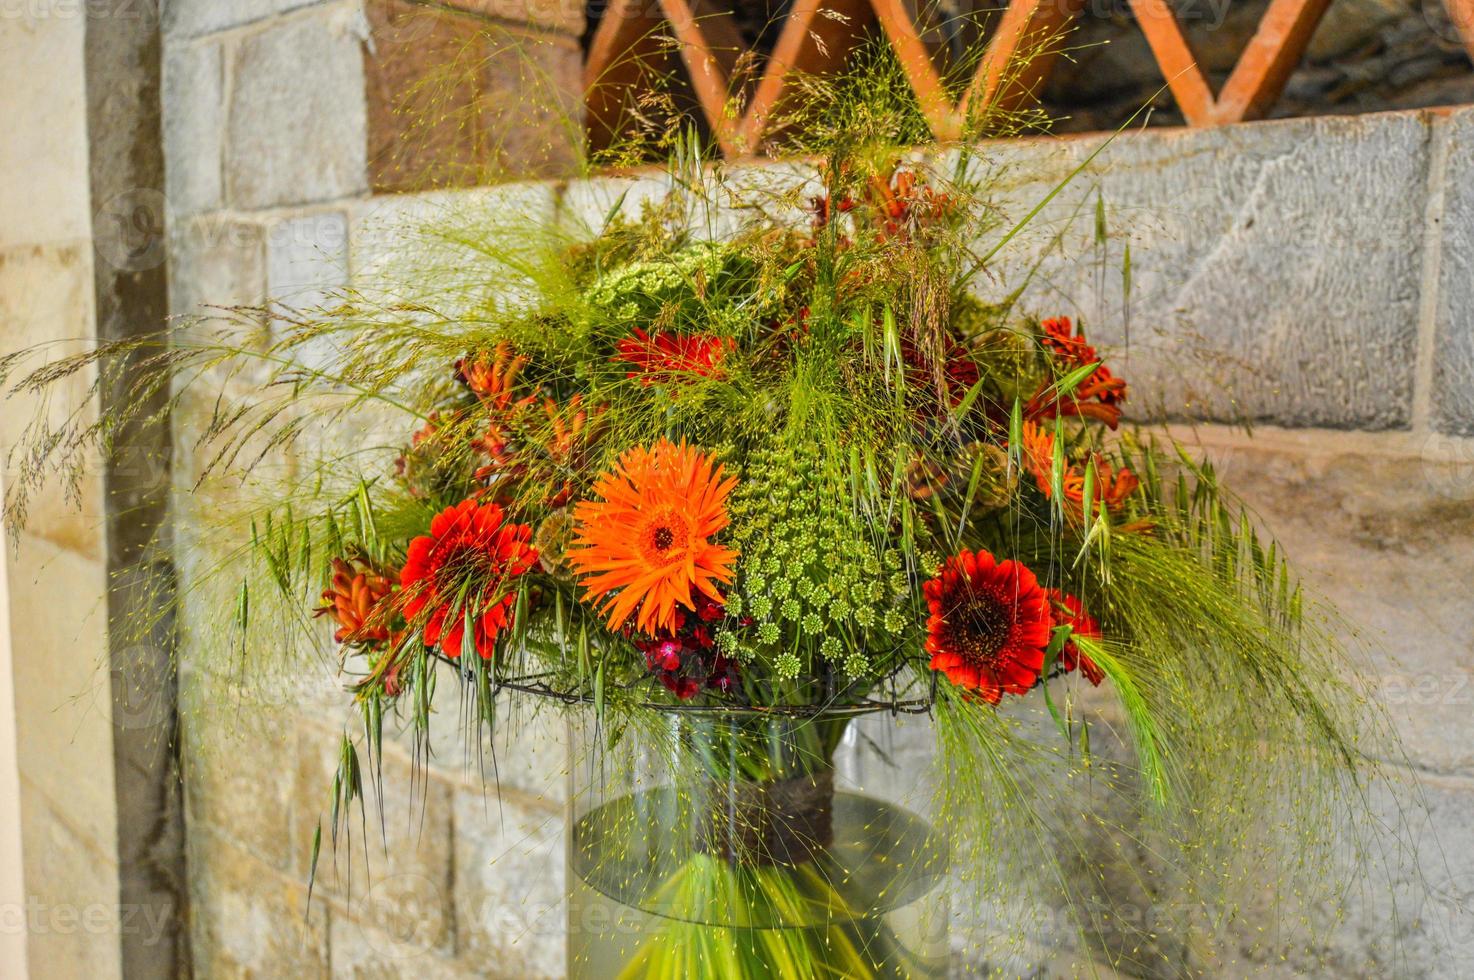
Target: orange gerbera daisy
x=647, y=542
x=1038, y=454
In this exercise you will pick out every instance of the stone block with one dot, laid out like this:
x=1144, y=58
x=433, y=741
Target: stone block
x=188, y=18
x=566, y=16
x=782, y=191
x=457, y=100
x=63, y=710
x=451, y=251
x=71, y=913
x=1438, y=916
x=421, y=92
x=218, y=262
x=239, y=772
x=527, y=753
x=392, y=873
x=194, y=126
x=306, y=271
x=362, y=952
x=509, y=897
x=249, y=921
x=531, y=108
x=586, y=204
x=307, y=260
x=1407, y=911
x=1453, y=348
x=1254, y=297
x=46, y=305
x=296, y=127
x=45, y=126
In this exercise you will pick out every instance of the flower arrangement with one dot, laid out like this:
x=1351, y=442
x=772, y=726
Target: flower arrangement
x=747, y=467
x=778, y=477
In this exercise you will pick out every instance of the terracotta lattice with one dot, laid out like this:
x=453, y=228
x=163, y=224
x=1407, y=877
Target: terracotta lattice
x=817, y=36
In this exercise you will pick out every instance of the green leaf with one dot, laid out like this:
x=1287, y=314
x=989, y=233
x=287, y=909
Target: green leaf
x=892, y=340
x=967, y=399
x=1139, y=717
x=1089, y=490
x=599, y=692
x=243, y=606
x=312, y=867
x=973, y=479
x=613, y=212
x=1057, y=642
x=1066, y=386
x=1057, y=469
x=1016, y=432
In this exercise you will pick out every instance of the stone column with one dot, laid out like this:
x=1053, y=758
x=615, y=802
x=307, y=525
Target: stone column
x=55, y=573
x=12, y=881
x=97, y=808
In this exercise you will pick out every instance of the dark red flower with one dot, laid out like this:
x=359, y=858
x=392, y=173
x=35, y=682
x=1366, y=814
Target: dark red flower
x=664, y=357
x=464, y=569
x=1069, y=611
x=990, y=624
x=684, y=658
x=953, y=372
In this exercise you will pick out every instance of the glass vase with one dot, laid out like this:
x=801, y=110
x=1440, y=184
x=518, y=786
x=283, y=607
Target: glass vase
x=743, y=844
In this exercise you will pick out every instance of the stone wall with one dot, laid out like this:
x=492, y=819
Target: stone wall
x=1309, y=276
x=283, y=119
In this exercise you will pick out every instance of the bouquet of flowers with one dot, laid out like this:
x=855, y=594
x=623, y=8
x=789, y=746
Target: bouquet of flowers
x=728, y=471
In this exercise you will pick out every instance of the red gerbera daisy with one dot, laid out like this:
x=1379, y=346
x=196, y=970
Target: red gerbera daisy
x=664, y=357
x=1070, y=611
x=989, y=626
x=464, y=570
